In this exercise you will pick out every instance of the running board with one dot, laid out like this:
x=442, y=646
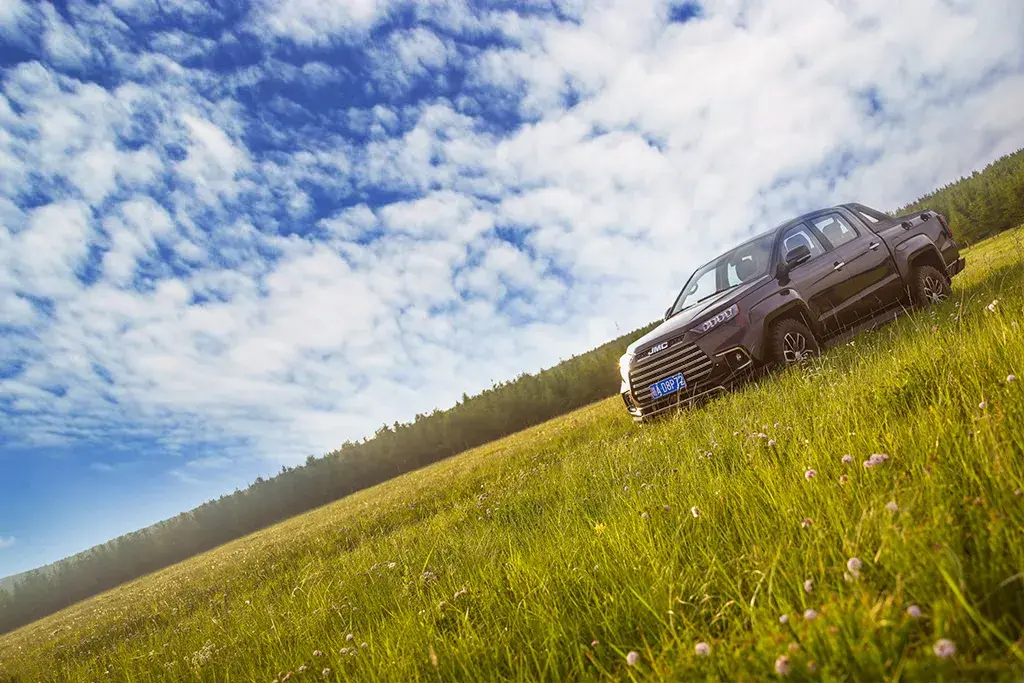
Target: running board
x=869, y=325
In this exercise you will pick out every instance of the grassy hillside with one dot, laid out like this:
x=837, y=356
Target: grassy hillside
x=555, y=553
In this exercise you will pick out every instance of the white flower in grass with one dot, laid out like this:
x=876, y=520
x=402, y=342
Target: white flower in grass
x=318, y=653
x=810, y=474
x=875, y=460
x=914, y=612
x=854, y=565
x=784, y=619
x=808, y=586
x=891, y=506
x=843, y=479
x=810, y=614
x=695, y=511
x=782, y=665
x=302, y=668
x=364, y=645
x=991, y=308
x=643, y=515
x=944, y=648
x=632, y=657
x=1011, y=378
x=702, y=649
x=325, y=673
x=982, y=405
x=805, y=523
x=847, y=459
x=771, y=442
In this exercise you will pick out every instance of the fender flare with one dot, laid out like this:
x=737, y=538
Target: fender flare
x=912, y=249
x=769, y=313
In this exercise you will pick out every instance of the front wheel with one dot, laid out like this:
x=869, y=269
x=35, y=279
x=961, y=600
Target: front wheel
x=791, y=343
x=928, y=286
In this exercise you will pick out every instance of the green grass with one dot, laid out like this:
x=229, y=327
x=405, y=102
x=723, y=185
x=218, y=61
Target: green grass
x=551, y=554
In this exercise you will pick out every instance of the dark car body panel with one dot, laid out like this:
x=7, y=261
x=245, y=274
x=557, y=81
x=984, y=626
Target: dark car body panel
x=832, y=292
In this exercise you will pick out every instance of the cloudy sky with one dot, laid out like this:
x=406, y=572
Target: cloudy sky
x=235, y=234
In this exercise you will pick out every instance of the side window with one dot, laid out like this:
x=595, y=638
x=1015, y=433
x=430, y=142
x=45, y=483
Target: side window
x=868, y=218
x=835, y=229
x=871, y=216
x=800, y=235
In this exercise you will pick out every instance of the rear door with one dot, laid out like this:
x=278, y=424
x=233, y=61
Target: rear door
x=811, y=278
x=866, y=279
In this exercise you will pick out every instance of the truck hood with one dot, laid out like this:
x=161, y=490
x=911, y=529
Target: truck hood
x=682, y=321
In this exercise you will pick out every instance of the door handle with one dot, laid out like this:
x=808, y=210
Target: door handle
x=873, y=246
x=838, y=265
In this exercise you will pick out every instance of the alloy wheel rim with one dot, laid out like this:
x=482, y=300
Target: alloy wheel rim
x=794, y=348
x=933, y=290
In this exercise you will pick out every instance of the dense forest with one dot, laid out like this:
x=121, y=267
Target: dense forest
x=979, y=206
x=986, y=203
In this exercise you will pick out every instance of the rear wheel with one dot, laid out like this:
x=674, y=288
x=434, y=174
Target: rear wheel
x=790, y=342
x=928, y=286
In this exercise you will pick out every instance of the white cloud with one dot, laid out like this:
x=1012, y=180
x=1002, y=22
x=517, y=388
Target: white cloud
x=307, y=294
x=6, y=542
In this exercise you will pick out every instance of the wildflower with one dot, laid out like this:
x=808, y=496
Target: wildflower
x=808, y=586
x=343, y=651
x=854, y=566
x=810, y=614
x=810, y=474
x=914, y=612
x=350, y=637
x=427, y=576
x=891, y=506
x=695, y=512
x=1011, y=378
x=875, y=459
x=364, y=645
x=843, y=479
x=391, y=565
x=782, y=665
x=805, y=523
x=794, y=647
x=991, y=308
x=594, y=643
x=302, y=668
x=847, y=459
x=666, y=507
x=600, y=527
x=944, y=648
x=784, y=619
x=643, y=515
x=632, y=658
x=326, y=672
x=702, y=649
x=982, y=405
x=771, y=442
x=318, y=653
x=247, y=602
x=625, y=489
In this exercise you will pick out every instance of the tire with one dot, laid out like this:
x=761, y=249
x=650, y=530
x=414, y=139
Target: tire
x=790, y=342
x=928, y=286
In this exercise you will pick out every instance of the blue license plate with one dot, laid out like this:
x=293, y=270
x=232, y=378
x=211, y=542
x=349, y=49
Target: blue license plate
x=669, y=385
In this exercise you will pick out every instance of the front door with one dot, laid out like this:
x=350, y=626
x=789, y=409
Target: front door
x=811, y=278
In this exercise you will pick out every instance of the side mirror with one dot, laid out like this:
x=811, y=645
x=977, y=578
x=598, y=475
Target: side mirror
x=794, y=257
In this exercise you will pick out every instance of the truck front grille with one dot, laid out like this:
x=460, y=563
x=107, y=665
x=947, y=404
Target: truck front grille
x=685, y=358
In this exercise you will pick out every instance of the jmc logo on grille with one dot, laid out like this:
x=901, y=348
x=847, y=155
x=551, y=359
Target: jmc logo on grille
x=660, y=347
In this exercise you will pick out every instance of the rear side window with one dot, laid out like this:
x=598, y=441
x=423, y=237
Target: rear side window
x=867, y=217
x=835, y=229
x=800, y=235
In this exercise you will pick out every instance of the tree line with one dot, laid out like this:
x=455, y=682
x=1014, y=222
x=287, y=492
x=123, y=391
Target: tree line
x=981, y=205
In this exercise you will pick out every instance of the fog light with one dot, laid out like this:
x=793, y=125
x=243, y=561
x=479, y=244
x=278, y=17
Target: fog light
x=737, y=358
x=630, y=405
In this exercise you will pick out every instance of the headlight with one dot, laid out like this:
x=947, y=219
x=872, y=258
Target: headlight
x=717, y=319
x=624, y=367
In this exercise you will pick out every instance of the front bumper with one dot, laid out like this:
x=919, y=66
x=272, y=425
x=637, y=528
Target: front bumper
x=709, y=368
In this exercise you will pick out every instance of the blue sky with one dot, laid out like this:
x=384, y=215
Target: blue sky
x=236, y=234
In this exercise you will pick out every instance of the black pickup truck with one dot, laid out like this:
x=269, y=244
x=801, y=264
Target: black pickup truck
x=775, y=299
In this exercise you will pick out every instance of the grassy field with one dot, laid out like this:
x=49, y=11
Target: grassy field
x=589, y=548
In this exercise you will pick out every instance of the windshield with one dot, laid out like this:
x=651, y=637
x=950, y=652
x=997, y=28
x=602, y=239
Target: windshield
x=745, y=263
